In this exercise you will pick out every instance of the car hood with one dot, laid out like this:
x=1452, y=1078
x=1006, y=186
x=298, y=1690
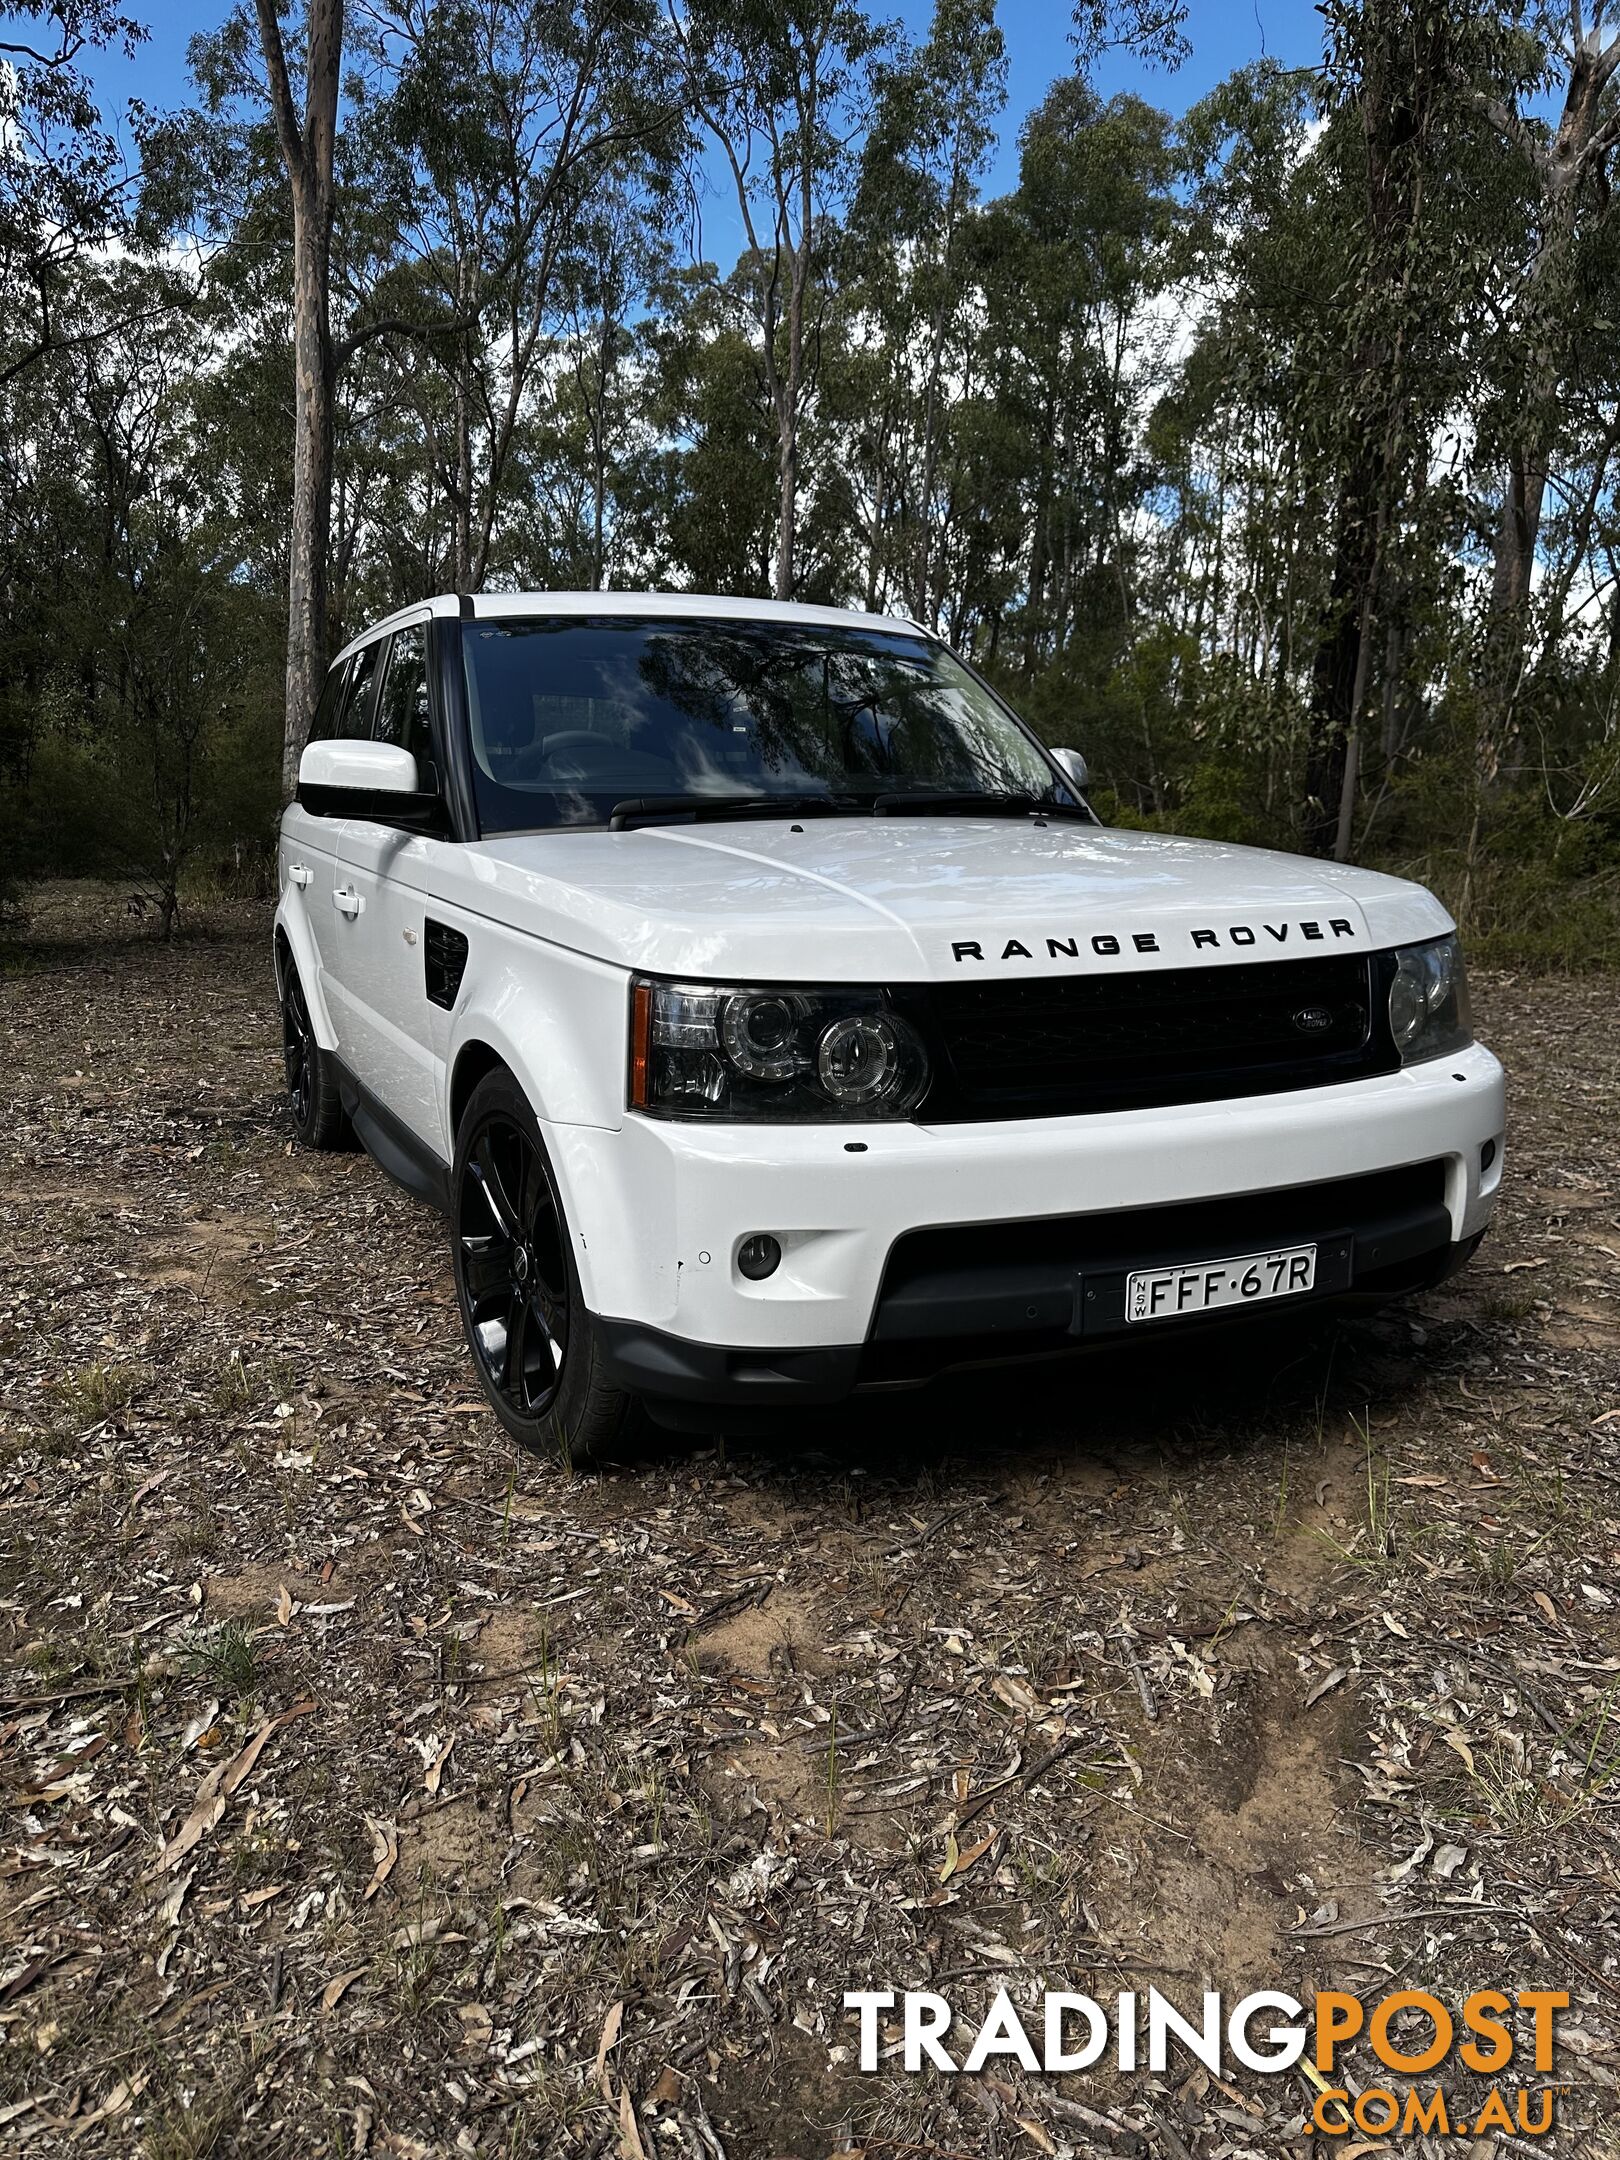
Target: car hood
x=909, y=899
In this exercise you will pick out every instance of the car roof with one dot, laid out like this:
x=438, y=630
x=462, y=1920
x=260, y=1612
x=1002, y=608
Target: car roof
x=664, y=606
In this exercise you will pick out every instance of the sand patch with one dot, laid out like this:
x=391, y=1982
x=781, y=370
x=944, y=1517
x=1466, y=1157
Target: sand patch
x=766, y=1641
x=253, y=1592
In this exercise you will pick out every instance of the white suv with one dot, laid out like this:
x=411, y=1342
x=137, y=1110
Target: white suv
x=771, y=1017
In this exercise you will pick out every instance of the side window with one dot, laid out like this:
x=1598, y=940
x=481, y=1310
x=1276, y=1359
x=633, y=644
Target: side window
x=355, y=723
x=402, y=707
x=325, y=723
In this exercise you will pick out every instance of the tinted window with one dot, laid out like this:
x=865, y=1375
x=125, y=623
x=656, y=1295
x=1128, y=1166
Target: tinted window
x=402, y=705
x=569, y=717
x=356, y=721
x=324, y=726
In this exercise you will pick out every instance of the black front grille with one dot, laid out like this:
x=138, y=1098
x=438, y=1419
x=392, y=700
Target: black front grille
x=1105, y=1042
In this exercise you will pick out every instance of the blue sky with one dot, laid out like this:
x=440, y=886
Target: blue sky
x=1223, y=38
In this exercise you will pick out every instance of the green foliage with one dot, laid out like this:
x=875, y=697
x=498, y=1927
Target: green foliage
x=64, y=182
x=139, y=709
x=1200, y=440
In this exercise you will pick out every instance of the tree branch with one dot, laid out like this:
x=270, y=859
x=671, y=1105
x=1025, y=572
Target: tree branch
x=1510, y=125
x=345, y=348
x=283, y=111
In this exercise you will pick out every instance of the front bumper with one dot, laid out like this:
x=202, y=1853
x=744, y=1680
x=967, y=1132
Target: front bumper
x=1038, y=1210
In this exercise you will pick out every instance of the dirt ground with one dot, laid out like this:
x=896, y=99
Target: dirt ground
x=371, y=1790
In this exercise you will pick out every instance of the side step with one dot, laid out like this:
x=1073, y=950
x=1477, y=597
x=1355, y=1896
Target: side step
x=393, y=1146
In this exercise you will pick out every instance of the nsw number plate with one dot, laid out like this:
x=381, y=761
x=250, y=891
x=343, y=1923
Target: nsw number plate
x=1165, y=1293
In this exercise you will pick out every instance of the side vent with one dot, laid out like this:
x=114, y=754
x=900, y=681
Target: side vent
x=444, y=962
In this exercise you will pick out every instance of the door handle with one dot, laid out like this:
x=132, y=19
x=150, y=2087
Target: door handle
x=346, y=900
x=299, y=874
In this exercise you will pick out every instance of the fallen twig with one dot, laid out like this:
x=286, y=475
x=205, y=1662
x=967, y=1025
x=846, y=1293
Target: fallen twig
x=1019, y=1777
x=1133, y=1665
x=70, y=1694
x=1423, y=1912
x=934, y=1528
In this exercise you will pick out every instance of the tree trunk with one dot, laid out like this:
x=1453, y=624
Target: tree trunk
x=788, y=402
x=1349, y=779
x=1338, y=672
x=597, y=408
x=307, y=143
x=1507, y=629
x=461, y=575
x=923, y=601
x=311, y=533
x=787, y=515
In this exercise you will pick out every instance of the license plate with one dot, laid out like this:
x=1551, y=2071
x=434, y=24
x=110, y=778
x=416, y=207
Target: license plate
x=1255, y=1279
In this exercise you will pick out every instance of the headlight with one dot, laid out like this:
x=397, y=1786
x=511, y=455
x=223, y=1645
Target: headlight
x=1428, y=1001
x=802, y=1056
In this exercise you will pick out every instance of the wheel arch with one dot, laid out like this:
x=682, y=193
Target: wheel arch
x=475, y=1060
x=548, y=1035
x=485, y=1049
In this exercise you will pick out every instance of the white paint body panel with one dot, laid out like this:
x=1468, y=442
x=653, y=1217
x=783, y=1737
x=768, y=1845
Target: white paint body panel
x=665, y=1195
x=871, y=900
x=558, y=923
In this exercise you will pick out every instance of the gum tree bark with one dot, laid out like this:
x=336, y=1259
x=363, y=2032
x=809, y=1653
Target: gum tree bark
x=307, y=142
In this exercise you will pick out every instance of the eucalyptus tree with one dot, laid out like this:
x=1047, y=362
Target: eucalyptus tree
x=1524, y=58
x=498, y=124
x=1234, y=501
x=264, y=177
x=142, y=644
x=909, y=301
x=784, y=91
x=593, y=430
x=1073, y=293
x=708, y=506
x=1545, y=81
x=1388, y=95
x=306, y=134
x=65, y=186
x=1153, y=31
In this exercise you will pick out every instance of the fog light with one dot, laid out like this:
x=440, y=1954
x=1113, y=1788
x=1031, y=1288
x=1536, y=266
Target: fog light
x=758, y=1256
x=1487, y=1155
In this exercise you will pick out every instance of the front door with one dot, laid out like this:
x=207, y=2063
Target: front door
x=383, y=874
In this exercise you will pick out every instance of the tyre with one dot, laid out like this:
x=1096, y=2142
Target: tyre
x=312, y=1090
x=533, y=1344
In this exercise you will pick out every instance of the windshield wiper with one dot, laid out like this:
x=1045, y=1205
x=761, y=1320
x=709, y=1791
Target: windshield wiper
x=681, y=809
x=921, y=803
x=637, y=810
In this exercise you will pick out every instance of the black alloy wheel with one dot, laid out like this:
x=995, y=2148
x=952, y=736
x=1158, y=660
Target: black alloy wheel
x=514, y=1267
x=534, y=1342
x=298, y=1050
x=312, y=1084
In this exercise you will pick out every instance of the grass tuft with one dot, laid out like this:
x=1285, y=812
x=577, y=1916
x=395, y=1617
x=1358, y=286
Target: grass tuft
x=225, y=1657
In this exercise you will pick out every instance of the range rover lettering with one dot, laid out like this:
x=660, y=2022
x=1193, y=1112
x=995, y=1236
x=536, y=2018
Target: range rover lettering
x=772, y=1020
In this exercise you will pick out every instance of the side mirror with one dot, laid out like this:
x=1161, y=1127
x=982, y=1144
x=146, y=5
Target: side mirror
x=363, y=780
x=1074, y=765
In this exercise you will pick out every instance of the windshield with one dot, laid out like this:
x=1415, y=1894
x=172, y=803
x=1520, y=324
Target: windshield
x=571, y=717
